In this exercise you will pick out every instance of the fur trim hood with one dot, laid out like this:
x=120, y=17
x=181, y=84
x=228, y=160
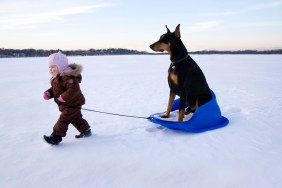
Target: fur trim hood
x=75, y=70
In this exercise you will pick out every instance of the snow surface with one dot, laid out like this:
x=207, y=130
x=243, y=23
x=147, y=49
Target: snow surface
x=128, y=152
x=173, y=117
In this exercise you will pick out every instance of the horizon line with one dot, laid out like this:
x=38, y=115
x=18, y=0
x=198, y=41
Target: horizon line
x=257, y=49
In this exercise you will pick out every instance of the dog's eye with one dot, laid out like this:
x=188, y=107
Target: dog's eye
x=164, y=38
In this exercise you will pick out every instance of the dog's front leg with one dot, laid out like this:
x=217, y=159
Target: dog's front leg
x=170, y=102
x=181, y=114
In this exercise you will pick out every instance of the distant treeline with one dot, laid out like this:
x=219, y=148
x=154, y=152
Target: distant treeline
x=90, y=52
x=113, y=51
x=279, y=51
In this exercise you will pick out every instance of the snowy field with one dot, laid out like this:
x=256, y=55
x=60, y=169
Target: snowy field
x=126, y=152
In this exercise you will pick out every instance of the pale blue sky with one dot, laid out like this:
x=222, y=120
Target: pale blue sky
x=85, y=24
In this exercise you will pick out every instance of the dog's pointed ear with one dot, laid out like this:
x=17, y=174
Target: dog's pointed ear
x=168, y=31
x=177, y=31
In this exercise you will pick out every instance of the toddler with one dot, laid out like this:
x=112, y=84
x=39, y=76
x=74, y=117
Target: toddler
x=66, y=92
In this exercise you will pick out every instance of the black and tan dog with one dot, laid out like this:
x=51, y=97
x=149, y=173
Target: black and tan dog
x=185, y=78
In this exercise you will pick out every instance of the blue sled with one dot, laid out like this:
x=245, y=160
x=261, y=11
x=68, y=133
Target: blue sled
x=206, y=117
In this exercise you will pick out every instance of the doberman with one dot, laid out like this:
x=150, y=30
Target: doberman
x=185, y=78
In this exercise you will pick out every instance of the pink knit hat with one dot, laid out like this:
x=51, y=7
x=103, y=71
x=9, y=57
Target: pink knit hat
x=60, y=60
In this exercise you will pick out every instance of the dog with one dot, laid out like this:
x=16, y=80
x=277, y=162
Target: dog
x=185, y=78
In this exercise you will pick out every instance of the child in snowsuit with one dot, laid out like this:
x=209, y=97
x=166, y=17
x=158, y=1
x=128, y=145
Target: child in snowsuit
x=66, y=92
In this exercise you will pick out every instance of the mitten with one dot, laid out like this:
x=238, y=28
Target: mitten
x=46, y=95
x=59, y=100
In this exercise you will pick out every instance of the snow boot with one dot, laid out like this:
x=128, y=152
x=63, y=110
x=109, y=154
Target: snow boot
x=53, y=139
x=86, y=133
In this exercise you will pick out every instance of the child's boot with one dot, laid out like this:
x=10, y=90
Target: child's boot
x=86, y=133
x=53, y=139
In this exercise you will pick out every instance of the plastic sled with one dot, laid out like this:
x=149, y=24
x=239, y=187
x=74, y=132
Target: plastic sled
x=206, y=117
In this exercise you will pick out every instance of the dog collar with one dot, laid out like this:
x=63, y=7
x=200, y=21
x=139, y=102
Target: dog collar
x=181, y=59
x=177, y=61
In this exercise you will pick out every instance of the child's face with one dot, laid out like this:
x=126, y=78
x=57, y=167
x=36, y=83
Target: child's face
x=53, y=70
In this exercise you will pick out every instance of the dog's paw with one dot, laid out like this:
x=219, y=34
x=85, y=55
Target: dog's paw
x=164, y=116
x=189, y=110
x=180, y=120
x=187, y=113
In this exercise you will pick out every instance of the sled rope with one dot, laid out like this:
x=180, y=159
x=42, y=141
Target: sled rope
x=108, y=113
x=115, y=114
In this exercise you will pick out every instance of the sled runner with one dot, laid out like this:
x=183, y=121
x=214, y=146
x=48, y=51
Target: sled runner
x=206, y=117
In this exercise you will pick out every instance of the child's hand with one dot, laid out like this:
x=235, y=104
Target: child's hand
x=46, y=95
x=59, y=100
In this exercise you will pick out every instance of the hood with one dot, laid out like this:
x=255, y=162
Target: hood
x=73, y=70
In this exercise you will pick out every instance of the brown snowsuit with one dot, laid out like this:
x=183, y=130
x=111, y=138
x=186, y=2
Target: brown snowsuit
x=66, y=84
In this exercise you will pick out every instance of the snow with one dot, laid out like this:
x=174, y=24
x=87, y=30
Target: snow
x=173, y=117
x=131, y=152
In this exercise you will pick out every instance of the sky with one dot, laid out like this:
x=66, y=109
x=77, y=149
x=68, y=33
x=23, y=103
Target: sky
x=97, y=24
